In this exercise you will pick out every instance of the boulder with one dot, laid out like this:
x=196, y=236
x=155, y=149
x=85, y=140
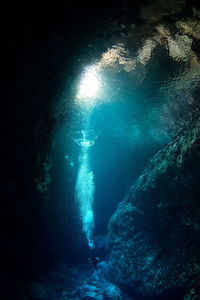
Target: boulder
x=154, y=233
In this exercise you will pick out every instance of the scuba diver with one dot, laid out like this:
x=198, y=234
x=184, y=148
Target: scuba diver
x=93, y=261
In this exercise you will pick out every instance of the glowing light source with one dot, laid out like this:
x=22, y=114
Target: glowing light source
x=89, y=86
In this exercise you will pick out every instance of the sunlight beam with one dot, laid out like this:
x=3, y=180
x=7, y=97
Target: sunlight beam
x=89, y=86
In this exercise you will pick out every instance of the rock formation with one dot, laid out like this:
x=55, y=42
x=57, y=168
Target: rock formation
x=154, y=233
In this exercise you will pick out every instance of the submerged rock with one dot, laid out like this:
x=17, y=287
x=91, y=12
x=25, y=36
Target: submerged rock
x=78, y=282
x=154, y=233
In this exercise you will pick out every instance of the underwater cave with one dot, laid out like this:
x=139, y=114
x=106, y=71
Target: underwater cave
x=100, y=148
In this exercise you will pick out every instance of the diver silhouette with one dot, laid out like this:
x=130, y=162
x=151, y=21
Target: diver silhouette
x=93, y=261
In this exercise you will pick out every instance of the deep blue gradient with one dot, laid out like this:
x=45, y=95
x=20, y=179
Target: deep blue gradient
x=57, y=198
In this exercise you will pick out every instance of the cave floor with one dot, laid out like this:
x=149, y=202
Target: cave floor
x=78, y=282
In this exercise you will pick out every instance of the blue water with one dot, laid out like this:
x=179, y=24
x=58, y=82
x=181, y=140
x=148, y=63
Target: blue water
x=125, y=101
x=93, y=91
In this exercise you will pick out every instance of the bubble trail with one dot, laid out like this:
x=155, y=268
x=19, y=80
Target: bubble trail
x=84, y=192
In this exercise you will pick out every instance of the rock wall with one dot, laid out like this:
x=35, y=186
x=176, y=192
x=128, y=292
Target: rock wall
x=154, y=232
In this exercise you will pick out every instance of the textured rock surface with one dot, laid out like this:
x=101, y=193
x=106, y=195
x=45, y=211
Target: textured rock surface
x=155, y=231
x=194, y=291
